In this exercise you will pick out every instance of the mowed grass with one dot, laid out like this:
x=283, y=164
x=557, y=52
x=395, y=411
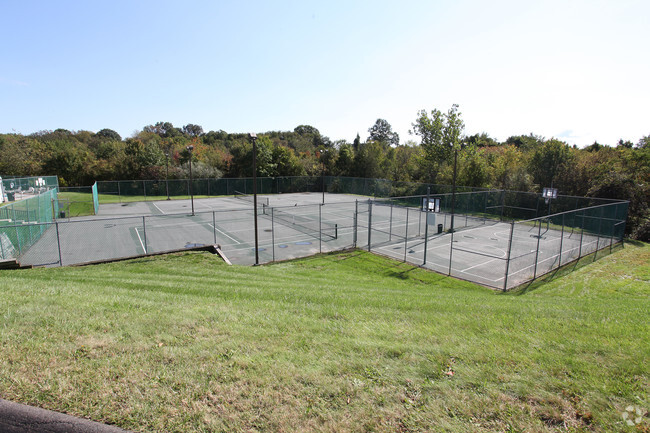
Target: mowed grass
x=338, y=342
x=76, y=204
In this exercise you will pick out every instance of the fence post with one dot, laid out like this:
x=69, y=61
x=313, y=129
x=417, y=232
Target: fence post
x=451, y=245
x=505, y=279
x=582, y=232
x=600, y=223
x=272, y=236
x=390, y=226
x=214, y=226
x=503, y=202
x=369, y=223
x=320, y=228
x=539, y=236
x=561, y=242
x=406, y=234
x=119, y=194
x=144, y=232
x=58, y=243
x=144, y=190
x=355, y=223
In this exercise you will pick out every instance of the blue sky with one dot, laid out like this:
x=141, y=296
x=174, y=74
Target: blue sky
x=575, y=70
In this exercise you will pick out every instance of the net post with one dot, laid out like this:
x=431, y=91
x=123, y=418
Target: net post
x=58, y=242
x=505, y=277
x=336, y=231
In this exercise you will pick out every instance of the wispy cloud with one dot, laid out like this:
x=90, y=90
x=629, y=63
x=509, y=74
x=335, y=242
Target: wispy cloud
x=16, y=83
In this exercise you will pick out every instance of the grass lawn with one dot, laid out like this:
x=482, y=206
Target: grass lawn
x=76, y=203
x=338, y=342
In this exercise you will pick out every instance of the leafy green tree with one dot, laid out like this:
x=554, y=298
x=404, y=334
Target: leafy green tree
x=21, y=156
x=473, y=167
x=383, y=133
x=192, y=130
x=356, y=143
x=163, y=129
x=525, y=142
x=441, y=133
x=242, y=158
x=368, y=161
x=345, y=161
x=286, y=162
x=108, y=134
x=481, y=140
x=548, y=161
x=509, y=169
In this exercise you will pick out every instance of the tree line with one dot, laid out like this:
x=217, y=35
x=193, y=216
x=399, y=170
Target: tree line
x=521, y=162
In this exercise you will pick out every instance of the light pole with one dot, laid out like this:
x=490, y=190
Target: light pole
x=453, y=190
x=253, y=138
x=322, y=174
x=190, y=148
x=167, y=174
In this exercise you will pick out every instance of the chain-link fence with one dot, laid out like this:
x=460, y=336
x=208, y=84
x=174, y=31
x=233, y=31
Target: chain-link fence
x=480, y=241
x=283, y=233
x=19, y=222
x=154, y=190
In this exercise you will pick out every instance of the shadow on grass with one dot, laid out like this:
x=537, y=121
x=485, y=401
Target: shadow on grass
x=566, y=270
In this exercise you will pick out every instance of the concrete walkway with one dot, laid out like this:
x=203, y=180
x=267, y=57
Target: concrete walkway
x=19, y=418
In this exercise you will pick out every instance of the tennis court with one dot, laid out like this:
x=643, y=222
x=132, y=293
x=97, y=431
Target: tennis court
x=483, y=247
x=296, y=225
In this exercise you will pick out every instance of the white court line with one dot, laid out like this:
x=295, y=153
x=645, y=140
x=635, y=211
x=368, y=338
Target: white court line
x=156, y=206
x=144, y=251
x=225, y=234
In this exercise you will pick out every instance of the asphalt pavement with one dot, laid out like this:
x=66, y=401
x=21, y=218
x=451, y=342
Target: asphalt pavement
x=19, y=418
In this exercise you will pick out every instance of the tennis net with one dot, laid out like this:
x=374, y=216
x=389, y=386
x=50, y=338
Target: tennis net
x=264, y=201
x=304, y=223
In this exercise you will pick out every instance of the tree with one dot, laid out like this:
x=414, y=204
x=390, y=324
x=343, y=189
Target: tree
x=383, y=133
x=356, y=143
x=192, y=130
x=548, y=161
x=108, y=134
x=163, y=129
x=525, y=142
x=441, y=134
x=345, y=161
x=286, y=162
x=369, y=160
x=481, y=140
